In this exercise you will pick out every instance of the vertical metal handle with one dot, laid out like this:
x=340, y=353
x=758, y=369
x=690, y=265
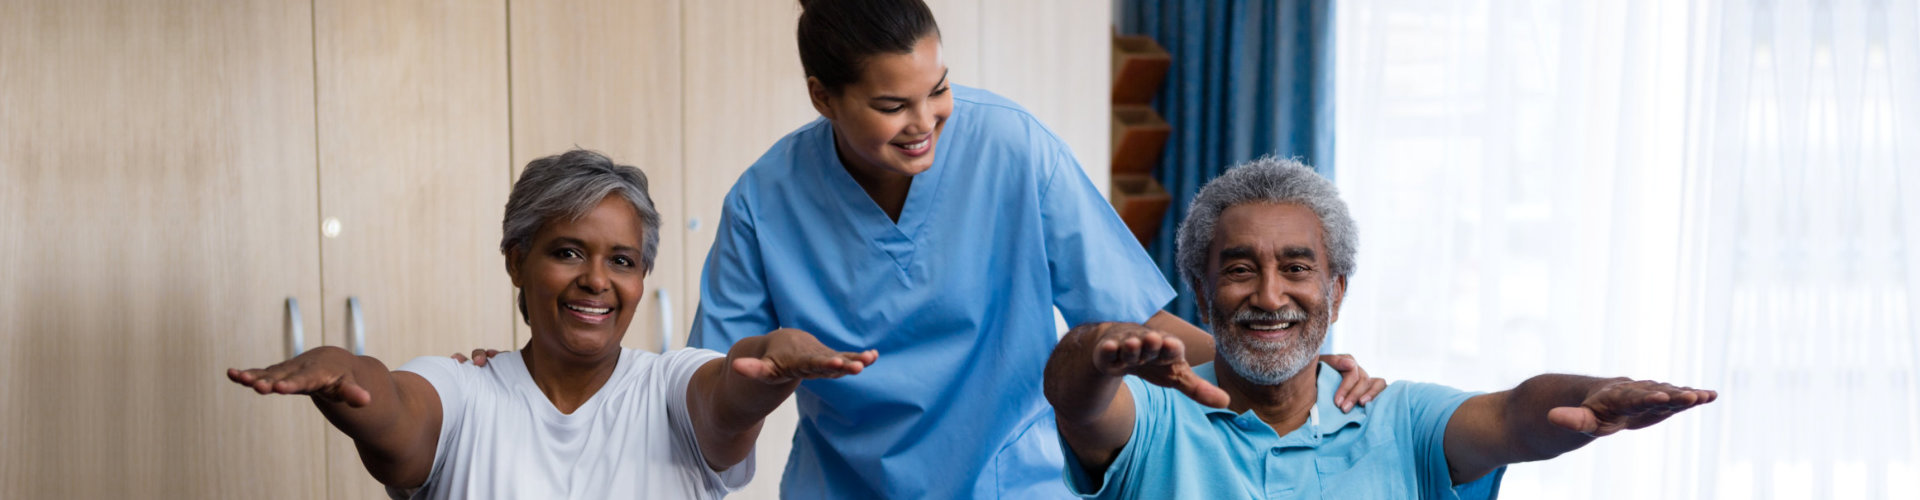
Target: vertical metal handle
x=666, y=320
x=357, y=325
x=296, y=331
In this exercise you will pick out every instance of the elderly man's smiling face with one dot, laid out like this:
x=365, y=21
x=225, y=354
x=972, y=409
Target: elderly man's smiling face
x=1271, y=292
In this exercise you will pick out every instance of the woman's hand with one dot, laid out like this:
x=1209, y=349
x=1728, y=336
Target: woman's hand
x=730, y=398
x=323, y=373
x=1355, y=386
x=479, y=356
x=790, y=355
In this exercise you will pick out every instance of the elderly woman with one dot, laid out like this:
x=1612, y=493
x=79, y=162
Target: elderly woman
x=572, y=414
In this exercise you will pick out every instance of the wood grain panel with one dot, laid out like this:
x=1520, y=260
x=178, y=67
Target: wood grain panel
x=745, y=90
x=605, y=75
x=412, y=105
x=1054, y=59
x=156, y=210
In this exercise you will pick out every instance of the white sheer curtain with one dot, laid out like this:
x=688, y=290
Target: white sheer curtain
x=1708, y=193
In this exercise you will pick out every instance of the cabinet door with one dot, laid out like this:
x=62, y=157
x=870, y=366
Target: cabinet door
x=156, y=212
x=605, y=75
x=745, y=91
x=412, y=104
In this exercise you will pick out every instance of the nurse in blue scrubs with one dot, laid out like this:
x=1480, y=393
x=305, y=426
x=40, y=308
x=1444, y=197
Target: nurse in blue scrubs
x=939, y=225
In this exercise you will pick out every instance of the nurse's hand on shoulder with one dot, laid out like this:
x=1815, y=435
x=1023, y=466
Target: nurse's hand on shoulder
x=1158, y=358
x=1355, y=386
x=789, y=354
x=479, y=356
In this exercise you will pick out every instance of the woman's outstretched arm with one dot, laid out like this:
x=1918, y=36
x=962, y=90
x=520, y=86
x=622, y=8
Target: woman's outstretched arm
x=728, y=399
x=393, y=417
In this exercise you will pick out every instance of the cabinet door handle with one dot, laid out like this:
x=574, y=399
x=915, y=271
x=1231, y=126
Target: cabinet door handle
x=666, y=320
x=296, y=329
x=357, y=327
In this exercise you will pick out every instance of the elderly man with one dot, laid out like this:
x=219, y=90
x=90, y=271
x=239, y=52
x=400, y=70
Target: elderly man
x=1267, y=249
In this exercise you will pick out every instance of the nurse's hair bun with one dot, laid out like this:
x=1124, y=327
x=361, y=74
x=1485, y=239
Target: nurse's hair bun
x=837, y=36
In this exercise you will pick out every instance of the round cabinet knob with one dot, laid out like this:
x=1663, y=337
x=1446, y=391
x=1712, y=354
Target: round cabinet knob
x=693, y=224
x=330, y=227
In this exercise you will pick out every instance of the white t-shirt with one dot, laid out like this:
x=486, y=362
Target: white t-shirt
x=500, y=437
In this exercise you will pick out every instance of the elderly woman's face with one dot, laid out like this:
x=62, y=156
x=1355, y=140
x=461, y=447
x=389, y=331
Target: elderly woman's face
x=581, y=279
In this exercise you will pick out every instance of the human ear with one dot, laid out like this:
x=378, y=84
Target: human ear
x=821, y=97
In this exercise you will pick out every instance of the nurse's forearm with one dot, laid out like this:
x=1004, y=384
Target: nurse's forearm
x=1199, y=342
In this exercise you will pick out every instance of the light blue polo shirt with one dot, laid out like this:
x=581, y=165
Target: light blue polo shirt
x=1392, y=448
x=958, y=297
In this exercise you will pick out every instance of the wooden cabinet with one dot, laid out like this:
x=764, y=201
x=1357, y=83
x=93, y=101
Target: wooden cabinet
x=414, y=167
x=173, y=171
x=157, y=208
x=743, y=58
x=604, y=75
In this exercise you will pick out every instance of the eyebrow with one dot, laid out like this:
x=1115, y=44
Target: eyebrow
x=564, y=240
x=1294, y=252
x=1236, y=253
x=936, y=86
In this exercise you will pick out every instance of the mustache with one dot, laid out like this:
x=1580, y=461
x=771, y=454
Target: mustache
x=1289, y=315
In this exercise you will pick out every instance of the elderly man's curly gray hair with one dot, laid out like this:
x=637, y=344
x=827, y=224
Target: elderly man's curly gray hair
x=1265, y=180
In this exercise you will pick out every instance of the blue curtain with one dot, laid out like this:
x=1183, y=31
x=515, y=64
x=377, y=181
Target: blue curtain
x=1250, y=78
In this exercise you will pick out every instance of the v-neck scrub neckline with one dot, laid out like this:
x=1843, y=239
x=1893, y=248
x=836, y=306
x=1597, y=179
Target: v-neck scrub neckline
x=1003, y=228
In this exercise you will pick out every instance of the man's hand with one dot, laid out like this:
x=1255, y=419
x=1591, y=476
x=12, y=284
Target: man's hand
x=1355, y=386
x=792, y=355
x=1158, y=358
x=1628, y=404
x=324, y=373
x=1551, y=414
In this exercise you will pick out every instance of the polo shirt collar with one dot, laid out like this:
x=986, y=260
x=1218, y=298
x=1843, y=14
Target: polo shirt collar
x=1331, y=418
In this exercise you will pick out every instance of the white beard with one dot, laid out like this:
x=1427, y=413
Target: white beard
x=1268, y=362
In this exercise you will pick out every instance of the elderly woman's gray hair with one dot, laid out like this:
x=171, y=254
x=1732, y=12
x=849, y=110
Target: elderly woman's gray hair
x=568, y=185
x=1266, y=180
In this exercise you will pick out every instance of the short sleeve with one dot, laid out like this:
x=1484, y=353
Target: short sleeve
x=734, y=303
x=1149, y=425
x=451, y=382
x=1429, y=407
x=677, y=369
x=1099, y=271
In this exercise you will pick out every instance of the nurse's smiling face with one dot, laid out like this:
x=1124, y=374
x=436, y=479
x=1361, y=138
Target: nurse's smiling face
x=888, y=123
x=582, y=280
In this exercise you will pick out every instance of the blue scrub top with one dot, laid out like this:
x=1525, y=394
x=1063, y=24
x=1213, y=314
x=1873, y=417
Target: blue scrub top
x=1392, y=448
x=958, y=298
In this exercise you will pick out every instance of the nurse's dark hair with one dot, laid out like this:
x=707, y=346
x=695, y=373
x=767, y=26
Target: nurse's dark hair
x=837, y=36
x=564, y=187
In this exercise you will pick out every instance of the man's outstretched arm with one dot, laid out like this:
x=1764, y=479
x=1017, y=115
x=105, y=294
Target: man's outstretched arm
x=1552, y=414
x=1091, y=403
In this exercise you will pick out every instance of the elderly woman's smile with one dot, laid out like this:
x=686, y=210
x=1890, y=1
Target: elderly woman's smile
x=588, y=272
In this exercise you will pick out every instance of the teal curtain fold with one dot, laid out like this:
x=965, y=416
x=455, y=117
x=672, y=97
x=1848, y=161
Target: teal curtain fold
x=1250, y=78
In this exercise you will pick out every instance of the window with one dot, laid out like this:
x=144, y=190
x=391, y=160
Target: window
x=1706, y=193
